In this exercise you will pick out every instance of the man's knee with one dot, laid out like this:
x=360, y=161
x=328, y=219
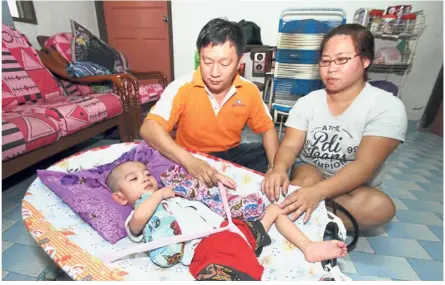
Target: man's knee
x=253, y=156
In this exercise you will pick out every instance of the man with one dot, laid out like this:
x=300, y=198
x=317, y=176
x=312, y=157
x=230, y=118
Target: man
x=210, y=109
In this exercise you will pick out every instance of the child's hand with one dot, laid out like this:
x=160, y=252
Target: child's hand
x=226, y=181
x=167, y=192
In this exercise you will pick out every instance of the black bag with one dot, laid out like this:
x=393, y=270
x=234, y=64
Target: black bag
x=252, y=33
x=332, y=229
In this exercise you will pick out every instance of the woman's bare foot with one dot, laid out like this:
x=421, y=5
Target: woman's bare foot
x=319, y=251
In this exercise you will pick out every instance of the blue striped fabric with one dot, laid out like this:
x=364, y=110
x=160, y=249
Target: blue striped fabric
x=308, y=26
x=84, y=69
x=299, y=87
x=296, y=56
x=300, y=34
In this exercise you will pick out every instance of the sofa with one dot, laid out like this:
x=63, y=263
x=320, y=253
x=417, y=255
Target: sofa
x=141, y=96
x=40, y=118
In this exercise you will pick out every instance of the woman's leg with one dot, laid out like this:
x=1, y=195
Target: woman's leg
x=305, y=175
x=369, y=206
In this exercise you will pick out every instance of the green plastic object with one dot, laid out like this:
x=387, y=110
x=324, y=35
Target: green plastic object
x=196, y=59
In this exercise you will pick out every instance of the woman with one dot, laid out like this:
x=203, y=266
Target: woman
x=342, y=136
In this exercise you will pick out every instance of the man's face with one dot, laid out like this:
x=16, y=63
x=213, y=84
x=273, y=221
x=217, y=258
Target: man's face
x=219, y=66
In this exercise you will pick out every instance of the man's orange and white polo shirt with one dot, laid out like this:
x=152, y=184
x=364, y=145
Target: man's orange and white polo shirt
x=202, y=124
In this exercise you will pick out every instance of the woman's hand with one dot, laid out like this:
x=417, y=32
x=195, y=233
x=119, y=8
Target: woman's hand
x=274, y=180
x=304, y=200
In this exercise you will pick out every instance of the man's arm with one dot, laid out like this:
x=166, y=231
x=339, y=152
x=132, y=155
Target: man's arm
x=161, y=120
x=270, y=143
x=260, y=122
x=158, y=138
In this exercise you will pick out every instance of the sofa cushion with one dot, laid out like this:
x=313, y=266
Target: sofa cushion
x=85, y=46
x=149, y=92
x=62, y=43
x=75, y=113
x=24, y=77
x=26, y=132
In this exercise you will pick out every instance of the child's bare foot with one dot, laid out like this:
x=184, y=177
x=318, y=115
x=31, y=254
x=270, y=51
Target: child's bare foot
x=319, y=251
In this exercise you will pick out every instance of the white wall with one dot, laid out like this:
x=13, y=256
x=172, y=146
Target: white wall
x=54, y=17
x=190, y=16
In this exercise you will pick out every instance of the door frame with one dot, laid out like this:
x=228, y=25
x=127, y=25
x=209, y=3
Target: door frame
x=99, y=5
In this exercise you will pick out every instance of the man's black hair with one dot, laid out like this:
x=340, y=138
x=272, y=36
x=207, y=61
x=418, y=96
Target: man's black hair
x=218, y=31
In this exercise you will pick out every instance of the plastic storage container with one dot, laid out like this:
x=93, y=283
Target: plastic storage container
x=375, y=17
x=409, y=21
x=388, y=24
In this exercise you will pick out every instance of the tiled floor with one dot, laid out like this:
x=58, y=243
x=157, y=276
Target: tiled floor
x=408, y=248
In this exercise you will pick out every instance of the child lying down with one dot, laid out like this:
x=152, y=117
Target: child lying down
x=222, y=256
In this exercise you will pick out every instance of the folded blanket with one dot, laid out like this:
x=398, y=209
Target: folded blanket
x=84, y=69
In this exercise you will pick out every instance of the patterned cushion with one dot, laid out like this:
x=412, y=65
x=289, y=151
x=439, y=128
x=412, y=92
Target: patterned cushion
x=74, y=113
x=149, y=92
x=24, y=77
x=62, y=43
x=23, y=133
x=74, y=89
x=87, y=47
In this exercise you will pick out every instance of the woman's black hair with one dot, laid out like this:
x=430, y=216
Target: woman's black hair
x=218, y=31
x=361, y=37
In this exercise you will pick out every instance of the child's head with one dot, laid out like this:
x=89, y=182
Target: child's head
x=129, y=180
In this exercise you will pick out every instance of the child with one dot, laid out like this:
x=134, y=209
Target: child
x=131, y=183
x=221, y=256
x=226, y=255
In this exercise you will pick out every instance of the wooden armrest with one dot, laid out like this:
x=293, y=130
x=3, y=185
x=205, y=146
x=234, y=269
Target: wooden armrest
x=41, y=40
x=162, y=79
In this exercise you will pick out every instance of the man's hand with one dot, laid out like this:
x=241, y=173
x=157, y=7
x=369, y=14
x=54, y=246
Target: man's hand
x=274, y=180
x=226, y=181
x=166, y=192
x=304, y=200
x=203, y=171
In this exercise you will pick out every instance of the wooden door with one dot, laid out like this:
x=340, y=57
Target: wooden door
x=141, y=30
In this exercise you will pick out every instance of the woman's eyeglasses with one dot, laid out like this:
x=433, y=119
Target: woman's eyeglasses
x=337, y=61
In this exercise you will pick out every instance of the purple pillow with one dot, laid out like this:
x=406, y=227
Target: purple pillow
x=88, y=196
